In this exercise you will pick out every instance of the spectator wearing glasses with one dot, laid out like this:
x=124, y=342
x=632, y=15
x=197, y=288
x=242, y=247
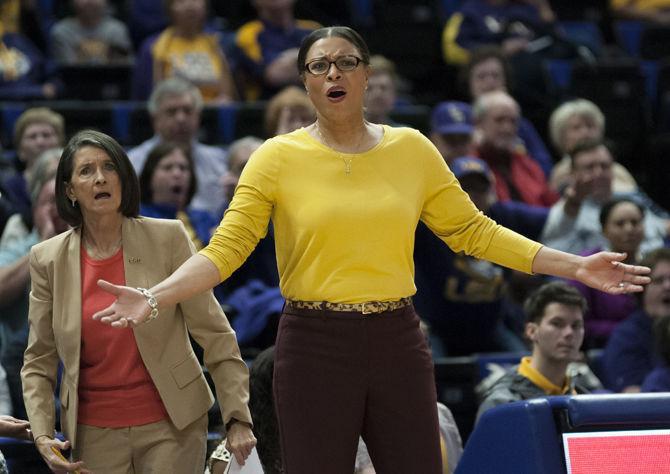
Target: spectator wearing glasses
x=346, y=269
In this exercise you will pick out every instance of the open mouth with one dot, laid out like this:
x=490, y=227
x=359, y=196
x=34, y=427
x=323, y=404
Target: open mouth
x=336, y=93
x=102, y=196
x=177, y=189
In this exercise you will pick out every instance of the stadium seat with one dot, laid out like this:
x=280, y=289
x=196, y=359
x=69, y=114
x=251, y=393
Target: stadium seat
x=526, y=437
x=516, y=438
x=584, y=32
x=594, y=11
x=658, y=164
x=415, y=116
x=615, y=85
x=628, y=34
x=448, y=8
x=96, y=82
x=9, y=113
x=83, y=114
x=559, y=73
x=505, y=360
x=248, y=120
x=654, y=42
x=455, y=378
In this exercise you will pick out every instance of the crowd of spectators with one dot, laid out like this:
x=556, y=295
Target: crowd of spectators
x=533, y=156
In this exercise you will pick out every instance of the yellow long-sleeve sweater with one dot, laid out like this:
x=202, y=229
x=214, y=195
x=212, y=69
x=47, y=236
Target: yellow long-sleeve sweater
x=348, y=238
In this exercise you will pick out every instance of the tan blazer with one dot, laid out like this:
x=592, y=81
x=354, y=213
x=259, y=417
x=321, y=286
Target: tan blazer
x=152, y=250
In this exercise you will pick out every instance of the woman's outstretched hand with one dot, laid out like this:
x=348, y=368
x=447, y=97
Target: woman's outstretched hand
x=130, y=308
x=606, y=271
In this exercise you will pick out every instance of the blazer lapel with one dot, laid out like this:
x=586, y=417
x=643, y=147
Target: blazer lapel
x=137, y=268
x=133, y=250
x=69, y=272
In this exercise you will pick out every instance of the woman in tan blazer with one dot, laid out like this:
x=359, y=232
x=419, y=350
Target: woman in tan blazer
x=135, y=402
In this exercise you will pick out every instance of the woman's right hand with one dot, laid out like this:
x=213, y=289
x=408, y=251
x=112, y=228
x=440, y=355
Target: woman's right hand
x=50, y=450
x=129, y=309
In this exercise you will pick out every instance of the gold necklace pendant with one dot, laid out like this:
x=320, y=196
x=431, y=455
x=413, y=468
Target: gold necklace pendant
x=347, y=162
x=347, y=165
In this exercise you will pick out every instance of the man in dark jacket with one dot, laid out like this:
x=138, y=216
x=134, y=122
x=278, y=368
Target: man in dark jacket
x=555, y=327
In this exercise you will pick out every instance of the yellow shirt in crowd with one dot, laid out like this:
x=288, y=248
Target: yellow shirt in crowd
x=652, y=5
x=197, y=59
x=349, y=237
x=528, y=371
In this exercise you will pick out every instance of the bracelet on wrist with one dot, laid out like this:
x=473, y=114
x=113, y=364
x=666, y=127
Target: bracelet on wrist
x=151, y=301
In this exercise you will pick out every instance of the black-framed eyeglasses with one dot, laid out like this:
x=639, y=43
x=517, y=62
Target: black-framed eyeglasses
x=318, y=67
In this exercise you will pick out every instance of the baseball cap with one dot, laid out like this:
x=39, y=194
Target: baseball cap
x=468, y=165
x=451, y=117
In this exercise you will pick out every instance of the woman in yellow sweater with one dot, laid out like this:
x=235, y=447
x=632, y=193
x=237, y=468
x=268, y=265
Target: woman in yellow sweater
x=345, y=196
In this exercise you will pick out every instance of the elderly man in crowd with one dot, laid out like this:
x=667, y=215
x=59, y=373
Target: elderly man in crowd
x=175, y=106
x=518, y=176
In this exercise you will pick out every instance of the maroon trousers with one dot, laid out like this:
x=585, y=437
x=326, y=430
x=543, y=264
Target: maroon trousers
x=341, y=375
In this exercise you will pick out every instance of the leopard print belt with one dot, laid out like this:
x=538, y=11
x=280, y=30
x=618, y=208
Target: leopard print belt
x=368, y=307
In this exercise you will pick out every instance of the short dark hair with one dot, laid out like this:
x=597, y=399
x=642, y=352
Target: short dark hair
x=552, y=292
x=612, y=203
x=130, y=188
x=154, y=157
x=585, y=146
x=338, y=31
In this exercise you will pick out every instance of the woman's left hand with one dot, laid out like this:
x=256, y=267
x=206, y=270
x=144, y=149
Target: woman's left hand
x=240, y=441
x=607, y=272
